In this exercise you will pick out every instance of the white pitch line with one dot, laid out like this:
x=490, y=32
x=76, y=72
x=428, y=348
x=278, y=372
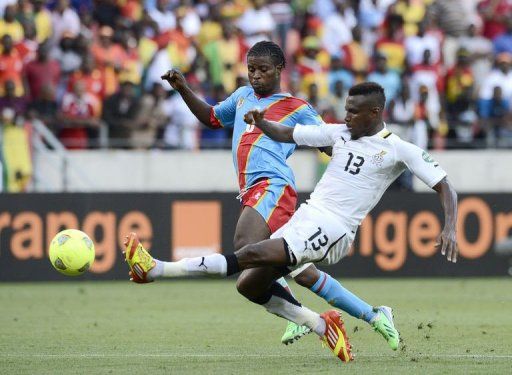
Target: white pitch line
x=232, y=355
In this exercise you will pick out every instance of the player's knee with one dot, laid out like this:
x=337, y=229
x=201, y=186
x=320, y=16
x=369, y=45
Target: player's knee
x=244, y=286
x=251, y=254
x=308, y=277
x=240, y=241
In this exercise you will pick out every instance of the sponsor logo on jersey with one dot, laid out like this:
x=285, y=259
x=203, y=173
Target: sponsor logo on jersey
x=240, y=102
x=377, y=159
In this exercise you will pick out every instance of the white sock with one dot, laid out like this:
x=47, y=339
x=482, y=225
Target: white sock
x=298, y=314
x=211, y=265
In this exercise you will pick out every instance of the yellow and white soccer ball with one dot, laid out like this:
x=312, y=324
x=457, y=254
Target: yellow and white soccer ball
x=71, y=252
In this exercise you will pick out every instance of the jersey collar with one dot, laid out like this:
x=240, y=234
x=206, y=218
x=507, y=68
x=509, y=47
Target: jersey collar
x=279, y=94
x=384, y=133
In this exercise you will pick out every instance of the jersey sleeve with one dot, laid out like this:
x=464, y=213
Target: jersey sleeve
x=420, y=163
x=309, y=116
x=223, y=113
x=317, y=136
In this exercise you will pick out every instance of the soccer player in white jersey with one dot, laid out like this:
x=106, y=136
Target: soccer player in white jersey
x=367, y=158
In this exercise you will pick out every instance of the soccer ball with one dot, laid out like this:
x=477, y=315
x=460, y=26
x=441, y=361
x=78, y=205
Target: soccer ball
x=71, y=252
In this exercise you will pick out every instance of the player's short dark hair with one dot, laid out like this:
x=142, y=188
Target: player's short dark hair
x=268, y=48
x=369, y=89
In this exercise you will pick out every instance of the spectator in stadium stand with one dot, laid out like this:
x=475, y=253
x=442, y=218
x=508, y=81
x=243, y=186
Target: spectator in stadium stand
x=426, y=118
x=109, y=58
x=256, y=23
x=120, y=115
x=78, y=118
x=453, y=18
x=41, y=72
x=177, y=45
x=480, y=53
x=88, y=27
x=401, y=112
x=43, y=20
x=412, y=12
x=106, y=12
x=131, y=10
x=415, y=46
x=45, y=106
x=430, y=76
x=496, y=120
x=219, y=138
x=355, y=57
x=500, y=76
x=336, y=100
x=503, y=42
x=223, y=56
x=91, y=77
x=312, y=66
x=27, y=48
x=9, y=24
x=66, y=54
x=494, y=14
x=319, y=103
x=146, y=47
x=211, y=28
x=392, y=43
x=459, y=86
x=337, y=72
x=338, y=28
x=372, y=13
x=132, y=67
x=11, y=66
x=282, y=13
x=64, y=20
x=182, y=130
x=190, y=20
x=388, y=79
x=150, y=118
x=9, y=100
x=163, y=16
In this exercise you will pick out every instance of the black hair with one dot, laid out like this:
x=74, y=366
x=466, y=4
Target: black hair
x=268, y=48
x=369, y=89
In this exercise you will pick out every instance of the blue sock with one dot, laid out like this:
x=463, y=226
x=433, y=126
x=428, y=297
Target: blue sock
x=336, y=295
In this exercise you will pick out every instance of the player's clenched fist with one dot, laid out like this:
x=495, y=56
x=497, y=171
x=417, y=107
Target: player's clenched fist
x=254, y=116
x=175, y=79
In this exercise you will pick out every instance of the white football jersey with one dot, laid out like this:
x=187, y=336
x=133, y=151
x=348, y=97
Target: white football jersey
x=361, y=170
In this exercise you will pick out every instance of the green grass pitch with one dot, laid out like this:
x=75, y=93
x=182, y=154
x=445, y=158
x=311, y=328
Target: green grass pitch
x=449, y=326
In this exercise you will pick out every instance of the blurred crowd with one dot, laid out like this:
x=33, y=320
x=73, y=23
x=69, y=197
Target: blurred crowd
x=90, y=70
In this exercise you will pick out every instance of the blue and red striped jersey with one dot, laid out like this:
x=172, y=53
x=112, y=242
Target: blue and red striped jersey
x=254, y=154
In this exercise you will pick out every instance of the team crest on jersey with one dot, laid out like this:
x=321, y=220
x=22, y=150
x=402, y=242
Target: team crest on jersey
x=377, y=159
x=240, y=102
x=426, y=156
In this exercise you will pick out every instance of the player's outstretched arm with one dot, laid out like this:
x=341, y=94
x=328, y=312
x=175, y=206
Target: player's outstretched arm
x=273, y=129
x=447, y=240
x=199, y=107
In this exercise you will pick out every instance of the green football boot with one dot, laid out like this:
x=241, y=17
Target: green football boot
x=293, y=333
x=383, y=323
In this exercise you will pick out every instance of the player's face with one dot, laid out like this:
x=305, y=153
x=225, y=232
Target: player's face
x=264, y=76
x=361, y=116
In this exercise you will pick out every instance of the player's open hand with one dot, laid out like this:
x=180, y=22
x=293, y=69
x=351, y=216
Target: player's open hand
x=175, y=79
x=254, y=116
x=447, y=241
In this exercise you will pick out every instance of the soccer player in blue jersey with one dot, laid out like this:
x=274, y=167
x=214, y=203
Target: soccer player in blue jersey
x=266, y=182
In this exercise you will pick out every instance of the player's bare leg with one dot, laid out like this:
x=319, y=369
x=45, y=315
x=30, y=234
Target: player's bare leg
x=272, y=254
x=330, y=289
x=250, y=229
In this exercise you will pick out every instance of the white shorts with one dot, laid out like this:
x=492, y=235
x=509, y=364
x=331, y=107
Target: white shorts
x=314, y=236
